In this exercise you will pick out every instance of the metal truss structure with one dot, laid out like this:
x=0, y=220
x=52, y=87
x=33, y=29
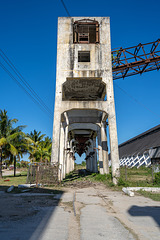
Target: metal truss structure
x=136, y=161
x=136, y=60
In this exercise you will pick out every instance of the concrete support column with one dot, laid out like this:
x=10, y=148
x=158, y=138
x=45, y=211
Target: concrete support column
x=67, y=158
x=56, y=137
x=61, y=157
x=104, y=148
x=114, y=148
x=72, y=157
x=70, y=162
x=95, y=168
x=65, y=150
x=73, y=163
x=87, y=163
x=100, y=158
x=91, y=157
x=91, y=164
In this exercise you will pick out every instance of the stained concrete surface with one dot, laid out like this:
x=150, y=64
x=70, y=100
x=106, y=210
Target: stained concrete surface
x=100, y=214
x=43, y=226
x=97, y=224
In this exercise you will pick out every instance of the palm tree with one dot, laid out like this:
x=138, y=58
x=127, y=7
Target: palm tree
x=5, y=142
x=47, y=144
x=36, y=136
x=21, y=147
x=34, y=139
x=44, y=150
x=8, y=138
x=39, y=149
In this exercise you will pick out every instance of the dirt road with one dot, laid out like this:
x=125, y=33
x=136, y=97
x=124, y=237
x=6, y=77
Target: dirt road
x=9, y=172
x=87, y=213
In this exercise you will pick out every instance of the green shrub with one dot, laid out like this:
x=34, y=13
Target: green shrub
x=121, y=182
x=111, y=184
x=157, y=178
x=83, y=163
x=22, y=164
x=109, y=176
x=101, y=177
x=18, y=165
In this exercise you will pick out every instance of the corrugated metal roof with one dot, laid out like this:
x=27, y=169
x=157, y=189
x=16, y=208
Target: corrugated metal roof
x=154, y=153
x=140, y=143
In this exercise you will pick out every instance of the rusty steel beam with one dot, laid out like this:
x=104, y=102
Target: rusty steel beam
x=136, y=60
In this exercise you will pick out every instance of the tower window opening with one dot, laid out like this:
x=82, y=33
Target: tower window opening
x=83, y=56
x=86, y=31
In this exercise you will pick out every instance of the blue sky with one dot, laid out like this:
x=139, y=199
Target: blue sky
x=29, y=38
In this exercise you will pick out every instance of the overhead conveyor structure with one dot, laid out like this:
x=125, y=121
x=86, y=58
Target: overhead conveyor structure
x=135, y=60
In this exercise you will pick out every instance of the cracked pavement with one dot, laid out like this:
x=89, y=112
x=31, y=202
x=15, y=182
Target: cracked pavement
x=89, y=213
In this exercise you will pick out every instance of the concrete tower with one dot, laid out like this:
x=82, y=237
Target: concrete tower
x=84, y=101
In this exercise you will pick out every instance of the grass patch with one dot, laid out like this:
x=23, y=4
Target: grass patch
x=11, y=180
x=141, y=177
x=153, y=196
x=97, y=177
x=82, y=176
x=20, y=178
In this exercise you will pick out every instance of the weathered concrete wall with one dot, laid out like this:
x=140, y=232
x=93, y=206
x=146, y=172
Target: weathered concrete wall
x=100, y=66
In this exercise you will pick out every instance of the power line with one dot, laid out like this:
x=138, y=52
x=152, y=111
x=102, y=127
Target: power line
x=135, y=100
x=22, y=87
x=65, y=8
x=11, y=65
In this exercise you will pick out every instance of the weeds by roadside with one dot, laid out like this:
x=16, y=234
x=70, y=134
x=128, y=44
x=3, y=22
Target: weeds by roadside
x=141, y=177
x=153, y=196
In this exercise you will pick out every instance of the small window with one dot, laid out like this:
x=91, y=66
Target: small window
x=86, y=31
x=83, y=56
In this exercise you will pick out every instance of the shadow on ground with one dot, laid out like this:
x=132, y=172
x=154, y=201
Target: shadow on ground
x=147, y=211
x=77, y=174
x=25, y=216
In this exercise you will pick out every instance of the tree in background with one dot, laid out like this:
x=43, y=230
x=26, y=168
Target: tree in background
x=39, y=149
x=14, y=143
x=9, y=139
x=21, y=147
x=43, y=152
x=36, y=136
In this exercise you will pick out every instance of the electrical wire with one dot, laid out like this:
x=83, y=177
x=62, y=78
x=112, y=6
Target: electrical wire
x=22, y=87
x=135, y=100
x=32, y=91
x=65, y=8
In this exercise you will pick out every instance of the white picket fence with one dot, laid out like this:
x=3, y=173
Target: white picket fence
x=137, y=160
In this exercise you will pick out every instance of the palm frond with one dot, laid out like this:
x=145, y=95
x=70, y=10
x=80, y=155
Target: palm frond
x=13, y=150
x=29, y=140
x=13, y=136
x=14, y=120
x=3, y=141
